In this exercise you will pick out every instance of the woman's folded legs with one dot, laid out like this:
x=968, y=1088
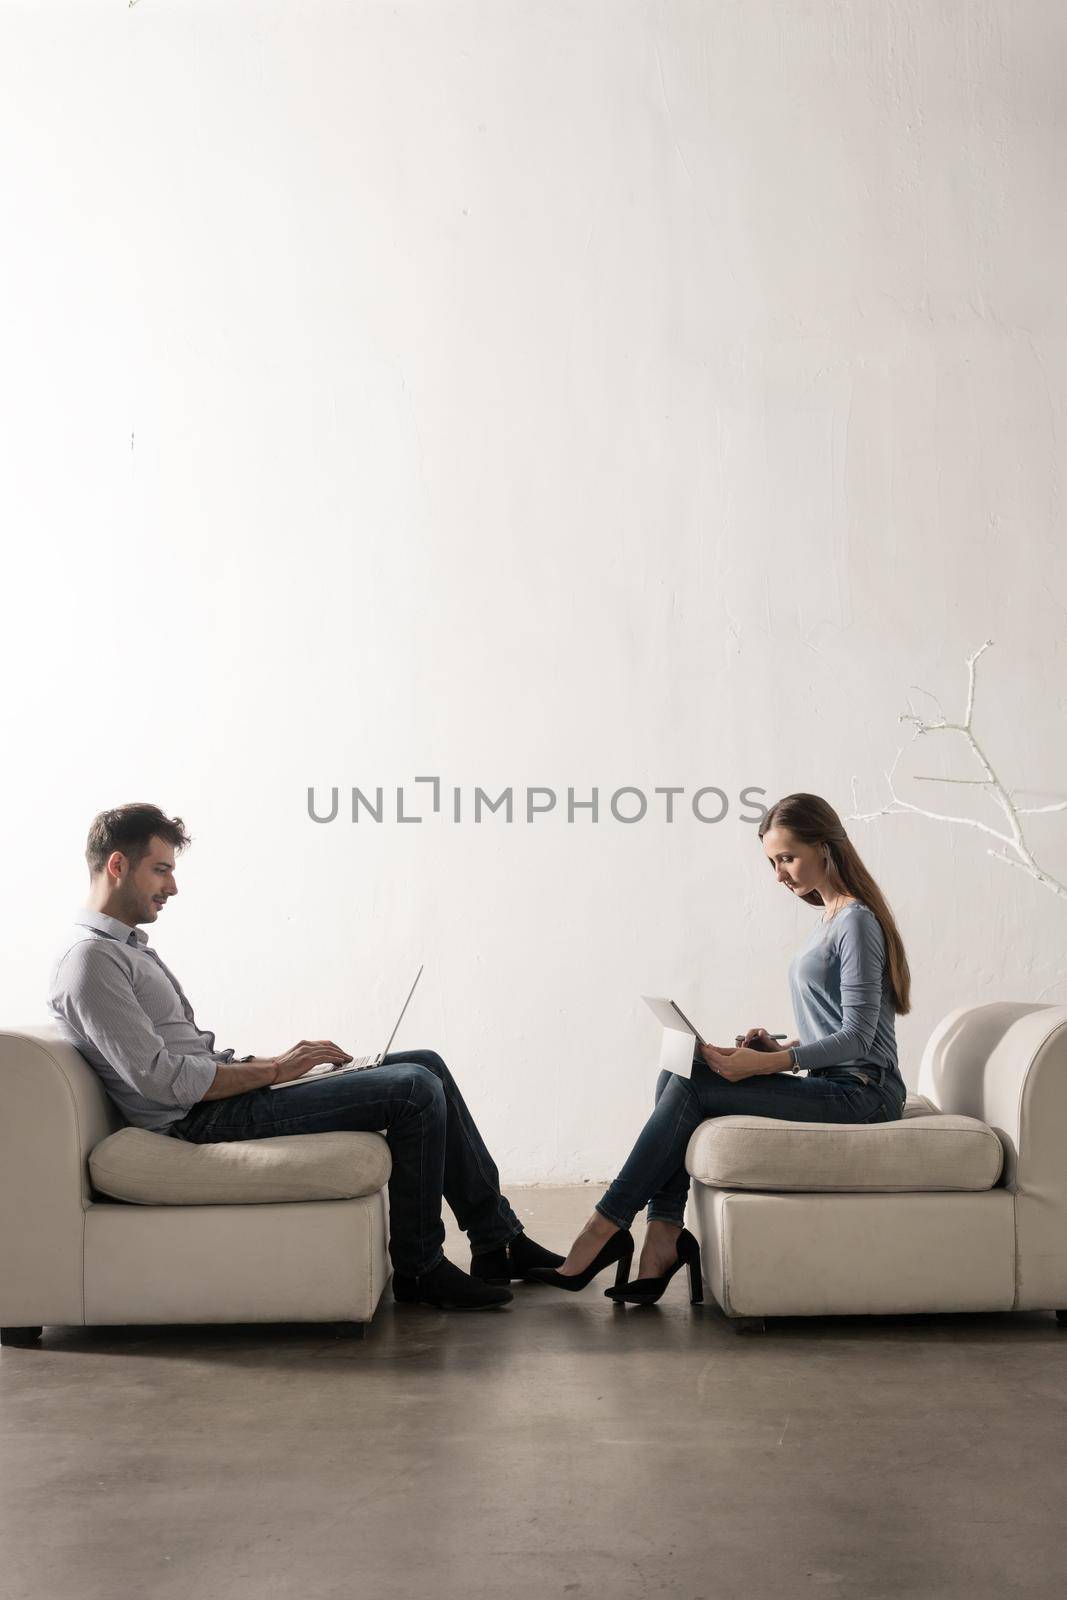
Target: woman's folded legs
x=654, y=1173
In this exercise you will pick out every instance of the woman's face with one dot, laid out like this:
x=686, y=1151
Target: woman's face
x=800, y=867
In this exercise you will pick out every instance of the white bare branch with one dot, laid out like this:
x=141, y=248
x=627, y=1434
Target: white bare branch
x=1013, y=839
x=926, y=777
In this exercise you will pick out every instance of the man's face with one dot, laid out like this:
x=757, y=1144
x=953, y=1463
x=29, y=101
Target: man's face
x=145, y=889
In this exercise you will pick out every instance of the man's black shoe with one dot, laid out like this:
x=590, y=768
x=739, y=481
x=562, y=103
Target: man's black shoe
x=449, y=1289
x=513, y=1260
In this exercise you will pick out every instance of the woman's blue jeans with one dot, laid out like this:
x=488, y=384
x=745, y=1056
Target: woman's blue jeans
x=654, y=1173
x=436, y=1148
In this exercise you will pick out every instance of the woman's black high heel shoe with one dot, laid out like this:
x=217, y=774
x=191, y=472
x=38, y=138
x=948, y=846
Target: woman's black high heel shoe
x=620, y=1248
x=646, y=1291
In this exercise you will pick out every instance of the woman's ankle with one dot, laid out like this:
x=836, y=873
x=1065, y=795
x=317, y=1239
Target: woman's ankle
x=602, y=1226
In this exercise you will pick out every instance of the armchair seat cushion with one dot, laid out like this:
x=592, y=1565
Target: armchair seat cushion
x=927, y=1149
x=152, y=1169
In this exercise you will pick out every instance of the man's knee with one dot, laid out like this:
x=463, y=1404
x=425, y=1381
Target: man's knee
x=424, y=1088
x=429, y=1059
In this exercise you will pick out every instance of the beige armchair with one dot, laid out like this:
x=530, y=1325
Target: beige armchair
x=960, y=1206
x=102, y=1223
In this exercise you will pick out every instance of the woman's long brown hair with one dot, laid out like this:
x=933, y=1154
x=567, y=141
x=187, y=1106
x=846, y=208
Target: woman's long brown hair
x=814, y=821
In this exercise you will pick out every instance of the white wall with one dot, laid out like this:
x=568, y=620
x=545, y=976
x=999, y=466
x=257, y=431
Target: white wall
x=541, y=393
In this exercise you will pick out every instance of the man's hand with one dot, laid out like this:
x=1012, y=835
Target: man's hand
x=742, y=1062
x=305, y=1055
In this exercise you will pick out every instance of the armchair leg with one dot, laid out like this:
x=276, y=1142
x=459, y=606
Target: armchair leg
x=24, y=1337
x=749, y=1324
x=1061, y=1318
x=349, y=1330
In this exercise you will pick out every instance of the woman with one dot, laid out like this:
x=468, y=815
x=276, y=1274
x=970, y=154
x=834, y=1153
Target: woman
x=847, y=981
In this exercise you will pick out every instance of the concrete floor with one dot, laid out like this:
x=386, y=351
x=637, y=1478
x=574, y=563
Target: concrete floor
x=561, y=1447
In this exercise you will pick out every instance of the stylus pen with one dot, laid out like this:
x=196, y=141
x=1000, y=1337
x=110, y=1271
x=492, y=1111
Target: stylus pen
x=739, y=1036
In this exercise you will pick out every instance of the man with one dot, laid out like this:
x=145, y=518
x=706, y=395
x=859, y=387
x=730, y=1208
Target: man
x=117, y=1003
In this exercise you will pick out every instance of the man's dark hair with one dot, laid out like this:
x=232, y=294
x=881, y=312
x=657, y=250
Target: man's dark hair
x=129, y=829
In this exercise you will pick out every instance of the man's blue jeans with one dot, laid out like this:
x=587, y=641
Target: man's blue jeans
x=437, y=1150
x=654, y=1172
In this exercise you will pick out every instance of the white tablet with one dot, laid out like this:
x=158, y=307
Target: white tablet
x=679, y=1039
x=671, y=1015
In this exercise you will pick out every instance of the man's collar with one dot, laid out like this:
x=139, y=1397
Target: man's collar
x=110, y=925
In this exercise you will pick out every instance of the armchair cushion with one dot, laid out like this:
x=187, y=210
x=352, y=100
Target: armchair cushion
x=927, y=1149
x=152, y=1169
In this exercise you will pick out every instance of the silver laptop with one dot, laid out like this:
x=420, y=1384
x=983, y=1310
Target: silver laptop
x=358, y=1063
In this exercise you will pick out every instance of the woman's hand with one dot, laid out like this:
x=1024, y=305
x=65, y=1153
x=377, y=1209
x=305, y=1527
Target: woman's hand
x=734, y=1064
x=757, y=1039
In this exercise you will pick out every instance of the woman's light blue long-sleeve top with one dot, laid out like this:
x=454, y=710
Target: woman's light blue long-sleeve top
x=842, y=997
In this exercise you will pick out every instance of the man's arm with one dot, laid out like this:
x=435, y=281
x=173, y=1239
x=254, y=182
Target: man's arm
x=261, y=1071
x=94, y=997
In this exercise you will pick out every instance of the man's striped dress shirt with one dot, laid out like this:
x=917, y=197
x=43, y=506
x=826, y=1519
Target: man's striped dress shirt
x=115, y=1001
